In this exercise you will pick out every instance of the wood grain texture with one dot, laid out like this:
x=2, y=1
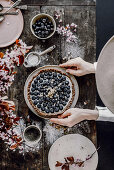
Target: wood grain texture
x=84, y=17
x=59, y=2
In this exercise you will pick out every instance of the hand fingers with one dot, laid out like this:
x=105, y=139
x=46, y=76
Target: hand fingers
x=74, y=72
x=70, y=63
x=59, y=121
x=65, y=114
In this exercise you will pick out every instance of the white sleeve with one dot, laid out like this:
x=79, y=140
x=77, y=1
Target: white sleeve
x=95, y=65
x=105, y=114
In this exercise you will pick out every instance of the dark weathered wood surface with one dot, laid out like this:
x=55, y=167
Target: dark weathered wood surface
x=82, y=13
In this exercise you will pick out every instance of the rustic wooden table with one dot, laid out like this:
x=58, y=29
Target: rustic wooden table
x=81, y=12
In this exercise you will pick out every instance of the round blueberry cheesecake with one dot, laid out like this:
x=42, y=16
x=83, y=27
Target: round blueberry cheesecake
x=50, y=92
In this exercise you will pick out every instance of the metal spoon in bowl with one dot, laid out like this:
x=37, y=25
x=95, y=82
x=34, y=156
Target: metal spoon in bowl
x=23, y=7
x=14, y=5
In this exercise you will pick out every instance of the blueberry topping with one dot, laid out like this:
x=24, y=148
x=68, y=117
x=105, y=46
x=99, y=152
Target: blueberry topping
x=56, y=109
x=33, y=97
x=33, y=85
x=38, y=105
x=38, y=77
x=32, y=89
x=66, y=82
x=35, y=102
x=42, y=108
x=41, y=81
x=61, y=107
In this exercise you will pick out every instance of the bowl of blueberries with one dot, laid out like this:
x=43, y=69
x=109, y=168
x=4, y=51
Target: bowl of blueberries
x=43, y=26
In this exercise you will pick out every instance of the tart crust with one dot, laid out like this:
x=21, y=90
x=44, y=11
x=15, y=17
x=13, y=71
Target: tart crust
x=50, y=115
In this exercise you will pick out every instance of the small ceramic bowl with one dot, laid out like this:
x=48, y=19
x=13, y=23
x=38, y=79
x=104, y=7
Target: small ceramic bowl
x=36, y=17
x=32, y=135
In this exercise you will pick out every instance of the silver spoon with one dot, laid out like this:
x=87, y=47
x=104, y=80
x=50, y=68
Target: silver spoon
x=24, y=7
x=13, y=6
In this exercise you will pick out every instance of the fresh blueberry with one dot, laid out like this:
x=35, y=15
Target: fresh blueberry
x=46, y=32
x=65, y=89
x=51, y=110
x=61, y=107
x=59, y=75
x=35, y=81
x=41, y=75
x=33, y=85
x=39, y=105
x=40, y=80
x=56, y=109
x=32, y=89
x=68, y=91
x=54, y=74
x=68, y=95
x=44, y=104
x=66, y=82
x=66, y=99
x=33, y=26
x=42, y=108
x=35, y=102
x=45, y=73
x=64, y=78
x=64, y=103
x=40, y=102
x=47, y=110
x=33, y=97
x=38, y=77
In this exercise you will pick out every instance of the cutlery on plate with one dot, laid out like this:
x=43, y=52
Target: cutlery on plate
x=24, y=7
x=13, y=6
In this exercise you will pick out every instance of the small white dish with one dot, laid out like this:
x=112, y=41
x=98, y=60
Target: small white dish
x=32, y=135
x=36, y=17
x=32, y=59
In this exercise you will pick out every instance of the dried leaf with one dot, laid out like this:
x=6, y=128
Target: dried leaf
x=80, y=164
x=58, y=164
x=21, y=59
x=4, y=105
x=17, y=41
x=65, y=167
x=15, y=72
x=71, y=159
x=12, y=147
x=1, y=55
x=16, y=119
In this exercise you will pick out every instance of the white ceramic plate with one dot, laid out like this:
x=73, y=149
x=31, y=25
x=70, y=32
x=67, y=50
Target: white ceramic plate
x=49, y=67
x=11, y=27
x=74, y=145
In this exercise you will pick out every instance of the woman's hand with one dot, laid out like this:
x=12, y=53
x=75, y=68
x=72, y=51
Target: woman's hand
x=74, y=116
x=78, y=67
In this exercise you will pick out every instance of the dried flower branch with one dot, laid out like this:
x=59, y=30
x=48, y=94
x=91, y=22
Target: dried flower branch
x=70, y=161
x=8, y=120
x=8, y=62
x=66, y=31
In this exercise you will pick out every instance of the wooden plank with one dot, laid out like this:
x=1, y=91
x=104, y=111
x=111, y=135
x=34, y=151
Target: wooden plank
x=59, y=2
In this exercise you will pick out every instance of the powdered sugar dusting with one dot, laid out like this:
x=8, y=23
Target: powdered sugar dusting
x=52, y=133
